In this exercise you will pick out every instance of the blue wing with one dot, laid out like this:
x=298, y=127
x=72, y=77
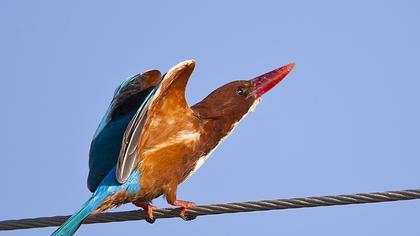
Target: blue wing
x=129, y=97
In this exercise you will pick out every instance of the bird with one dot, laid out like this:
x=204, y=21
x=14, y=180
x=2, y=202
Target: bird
x=150, y=140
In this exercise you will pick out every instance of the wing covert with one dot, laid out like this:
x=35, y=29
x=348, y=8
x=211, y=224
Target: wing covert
x=168, y=100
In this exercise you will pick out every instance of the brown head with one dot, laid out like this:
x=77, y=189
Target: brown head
x=234, y=100
x=222, y=109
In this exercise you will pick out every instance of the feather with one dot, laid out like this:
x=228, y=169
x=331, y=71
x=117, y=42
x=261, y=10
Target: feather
x=171, y=88
x=106, y=143
x=108, y=187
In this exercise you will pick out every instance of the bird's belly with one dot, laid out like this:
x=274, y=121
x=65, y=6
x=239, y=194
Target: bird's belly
x=161, y=174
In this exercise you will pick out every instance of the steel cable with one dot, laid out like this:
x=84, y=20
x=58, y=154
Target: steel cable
x=215, y=209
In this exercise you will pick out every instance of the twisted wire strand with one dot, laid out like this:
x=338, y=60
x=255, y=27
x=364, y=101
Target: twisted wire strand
x=215, y=209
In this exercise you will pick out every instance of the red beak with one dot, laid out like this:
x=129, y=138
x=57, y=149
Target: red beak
x=267, y=81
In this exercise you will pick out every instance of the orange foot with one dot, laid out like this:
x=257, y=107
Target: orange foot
x=149, y=209
x=184, y=206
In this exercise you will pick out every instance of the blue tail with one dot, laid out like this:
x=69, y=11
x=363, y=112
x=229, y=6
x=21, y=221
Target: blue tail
x=108, y=187
x=73, y=223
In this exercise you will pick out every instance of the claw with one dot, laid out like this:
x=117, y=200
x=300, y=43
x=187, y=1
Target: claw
x=182, y=212
x=184, y=206
x=149, y=209
x=189, y=218
x=150, y=220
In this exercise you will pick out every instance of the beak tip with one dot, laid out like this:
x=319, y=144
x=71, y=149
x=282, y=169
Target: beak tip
x=290, y=66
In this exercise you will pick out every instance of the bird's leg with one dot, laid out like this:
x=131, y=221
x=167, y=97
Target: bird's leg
x=148, y=208
x=184, y=206
x=171, y=198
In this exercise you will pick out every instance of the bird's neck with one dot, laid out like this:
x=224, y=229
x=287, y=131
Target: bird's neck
x=214, y=125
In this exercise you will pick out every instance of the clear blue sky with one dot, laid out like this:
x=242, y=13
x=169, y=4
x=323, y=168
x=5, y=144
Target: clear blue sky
x=346, y=120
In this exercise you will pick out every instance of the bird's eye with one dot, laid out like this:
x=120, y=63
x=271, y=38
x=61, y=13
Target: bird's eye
x=240, y=91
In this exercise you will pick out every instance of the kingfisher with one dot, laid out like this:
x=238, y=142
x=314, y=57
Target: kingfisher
x=150, y=140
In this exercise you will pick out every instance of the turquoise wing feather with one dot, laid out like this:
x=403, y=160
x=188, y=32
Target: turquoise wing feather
x=105, y=147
